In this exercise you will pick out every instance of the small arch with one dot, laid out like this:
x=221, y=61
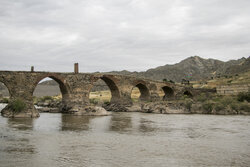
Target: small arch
x=168, y=93
x=109, y=91
x=4, y=95
x=143, y=90
x=188, y=94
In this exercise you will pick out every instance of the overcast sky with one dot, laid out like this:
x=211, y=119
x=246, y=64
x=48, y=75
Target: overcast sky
x=106, y=35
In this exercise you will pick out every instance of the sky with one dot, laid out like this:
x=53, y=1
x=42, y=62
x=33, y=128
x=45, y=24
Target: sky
x=108, y=35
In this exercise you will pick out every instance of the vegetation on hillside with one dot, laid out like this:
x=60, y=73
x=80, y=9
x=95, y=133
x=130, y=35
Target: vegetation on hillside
x=237, y=79
x=193, y=68
x=216, y=103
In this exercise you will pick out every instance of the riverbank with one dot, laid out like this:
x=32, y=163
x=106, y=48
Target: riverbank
x=202, y=104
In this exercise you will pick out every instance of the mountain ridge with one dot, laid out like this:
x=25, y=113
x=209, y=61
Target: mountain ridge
x=192, y=68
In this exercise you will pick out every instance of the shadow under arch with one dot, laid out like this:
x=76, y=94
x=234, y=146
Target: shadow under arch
x=115, y=93
x=168, y=93
x=145, y=95
x=64, y=88
x=188, y=94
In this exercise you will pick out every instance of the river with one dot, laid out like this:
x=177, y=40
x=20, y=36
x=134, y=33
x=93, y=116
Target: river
x=125, y=139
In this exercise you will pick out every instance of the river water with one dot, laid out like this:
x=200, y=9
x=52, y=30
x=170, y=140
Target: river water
x=125, y=139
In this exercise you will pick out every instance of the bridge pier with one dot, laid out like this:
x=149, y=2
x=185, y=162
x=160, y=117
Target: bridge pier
x=29, y=111
x=21, y=99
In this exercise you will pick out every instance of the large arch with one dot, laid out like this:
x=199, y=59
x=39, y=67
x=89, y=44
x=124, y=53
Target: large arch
x=168, y=92
x=115, y=93
x=144, y=91
x=64, y=88
x=4, y=90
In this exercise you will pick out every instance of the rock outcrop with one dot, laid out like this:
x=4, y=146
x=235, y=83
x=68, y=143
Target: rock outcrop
x=89, y=110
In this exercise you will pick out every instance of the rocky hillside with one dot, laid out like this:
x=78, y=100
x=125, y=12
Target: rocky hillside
x=239, y=68
x=193, y=68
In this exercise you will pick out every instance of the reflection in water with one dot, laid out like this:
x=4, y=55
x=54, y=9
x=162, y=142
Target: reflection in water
x=120, y=123
x=21, y=123
x=125, y=139
x=17, y=143
x=20, y=145
x=193, y=133
x=146, y=125
x=75, y=123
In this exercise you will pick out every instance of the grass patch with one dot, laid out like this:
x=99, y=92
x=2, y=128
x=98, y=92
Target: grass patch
x=244, y=107
x=93, y=101
x=17, y=105
x=4, y=100
x=201, y=98
x=219, y=106
x=244, y=96
x=188, y=103
x=208, y=106
x=218, y=102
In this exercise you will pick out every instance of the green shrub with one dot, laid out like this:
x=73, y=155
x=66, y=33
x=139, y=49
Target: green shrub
x=219, y=106
x=5, y=100
x=227, y=100
x=207, y=106
x=244, y=107
x=202, y=97
x=93, y=101
x=235, y=106
x=184, y=97
x=17, y=105
x=106, y=102
x=217, y=98
x=244, y=96
x=135, y=100
x=188, y=103
x=44, y=98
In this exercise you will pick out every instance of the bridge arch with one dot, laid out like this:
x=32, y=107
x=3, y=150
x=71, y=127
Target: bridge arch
x=168, y=92
x=5, y=89
x=111, y=83
x=144, y=91
x=64, y=88
x=188, y=93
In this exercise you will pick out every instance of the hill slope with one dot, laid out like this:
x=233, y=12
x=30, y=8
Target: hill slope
x=193, y=68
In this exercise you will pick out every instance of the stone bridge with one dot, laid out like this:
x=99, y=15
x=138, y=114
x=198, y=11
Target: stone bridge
x=75, y=88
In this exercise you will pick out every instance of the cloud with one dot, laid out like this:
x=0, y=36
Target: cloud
x=106, y=35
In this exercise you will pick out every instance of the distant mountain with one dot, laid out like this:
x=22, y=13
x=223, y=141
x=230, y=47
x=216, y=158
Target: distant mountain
x=239, y=68
x=193, y=68
x=49, y=82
